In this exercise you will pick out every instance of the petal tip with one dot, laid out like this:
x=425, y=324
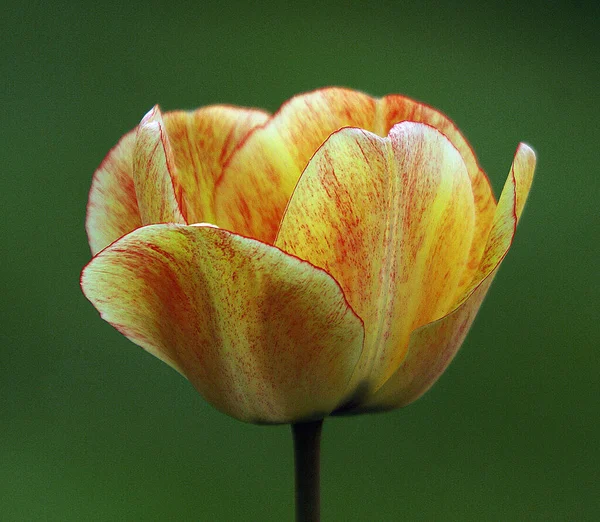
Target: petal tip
x=525, y=148
x=153, y=115
x=522, y=172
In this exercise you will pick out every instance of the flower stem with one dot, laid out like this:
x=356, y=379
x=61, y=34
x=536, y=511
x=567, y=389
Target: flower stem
x=307, y=452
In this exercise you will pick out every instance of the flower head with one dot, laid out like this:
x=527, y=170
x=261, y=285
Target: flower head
x=327, y=259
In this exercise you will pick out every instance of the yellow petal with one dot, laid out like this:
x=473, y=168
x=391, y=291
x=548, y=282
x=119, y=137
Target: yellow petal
x=159, y=196
x=260, y=176
x=395, y=108
x=391, y=219
x=202, y=142
x=510, y=206
x=263, y=336
x=433, y=346
x=112, y=209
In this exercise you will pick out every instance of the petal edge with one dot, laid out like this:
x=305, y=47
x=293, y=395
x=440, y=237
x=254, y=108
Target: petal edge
x=112, y=209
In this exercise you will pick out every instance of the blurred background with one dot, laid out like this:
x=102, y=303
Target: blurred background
x=93, y=428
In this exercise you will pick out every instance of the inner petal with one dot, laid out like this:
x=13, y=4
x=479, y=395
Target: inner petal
x=259, y=178
x=157, y=190
x=202, y=142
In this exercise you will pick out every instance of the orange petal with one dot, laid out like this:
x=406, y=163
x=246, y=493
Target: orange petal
x=159, y=195
x=261, y=174
x=265, y=337
x=433, y=346
x=395, y=108
x=202, y=142
x=391, y=219
x=112, y=209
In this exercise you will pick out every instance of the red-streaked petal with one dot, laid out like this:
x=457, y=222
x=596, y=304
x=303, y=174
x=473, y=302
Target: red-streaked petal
x=158, y=194
x=112, y=209
x=261, y=174
x=433, y=346
x=391, y=219
x=510, y=206
x=264, y=336
x=394, y=108
x=202, y=142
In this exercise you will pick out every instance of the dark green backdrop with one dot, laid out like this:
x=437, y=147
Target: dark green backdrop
x=92, y=428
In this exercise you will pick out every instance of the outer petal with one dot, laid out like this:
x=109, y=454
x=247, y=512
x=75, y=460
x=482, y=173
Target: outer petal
x=265, y=337
x=257, y=182
x=510, y=206
x=395, y=108
x=158, y=193
x=392, y=221
x=202, y=142
x=112, y=209
x=433, y=346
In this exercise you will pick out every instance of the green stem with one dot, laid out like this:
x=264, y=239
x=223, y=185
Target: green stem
x=307, y=452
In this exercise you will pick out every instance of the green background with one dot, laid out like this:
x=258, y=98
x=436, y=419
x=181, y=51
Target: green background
x=92, y=428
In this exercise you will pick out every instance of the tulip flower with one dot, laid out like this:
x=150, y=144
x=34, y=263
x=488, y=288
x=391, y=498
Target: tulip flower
x=328, y=259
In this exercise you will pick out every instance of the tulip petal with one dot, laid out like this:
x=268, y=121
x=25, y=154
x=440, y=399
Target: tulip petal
x=391, y=219
x=159, y=195
x=433, y=346
x=261, y=174
x=395, y=108
x=264, y=336
x=112, y=209
x=510, y=206
x=202, y=142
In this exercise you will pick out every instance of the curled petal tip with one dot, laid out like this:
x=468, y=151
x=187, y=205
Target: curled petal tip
x=526, y=148
x=153, y=114
x=523, y=169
